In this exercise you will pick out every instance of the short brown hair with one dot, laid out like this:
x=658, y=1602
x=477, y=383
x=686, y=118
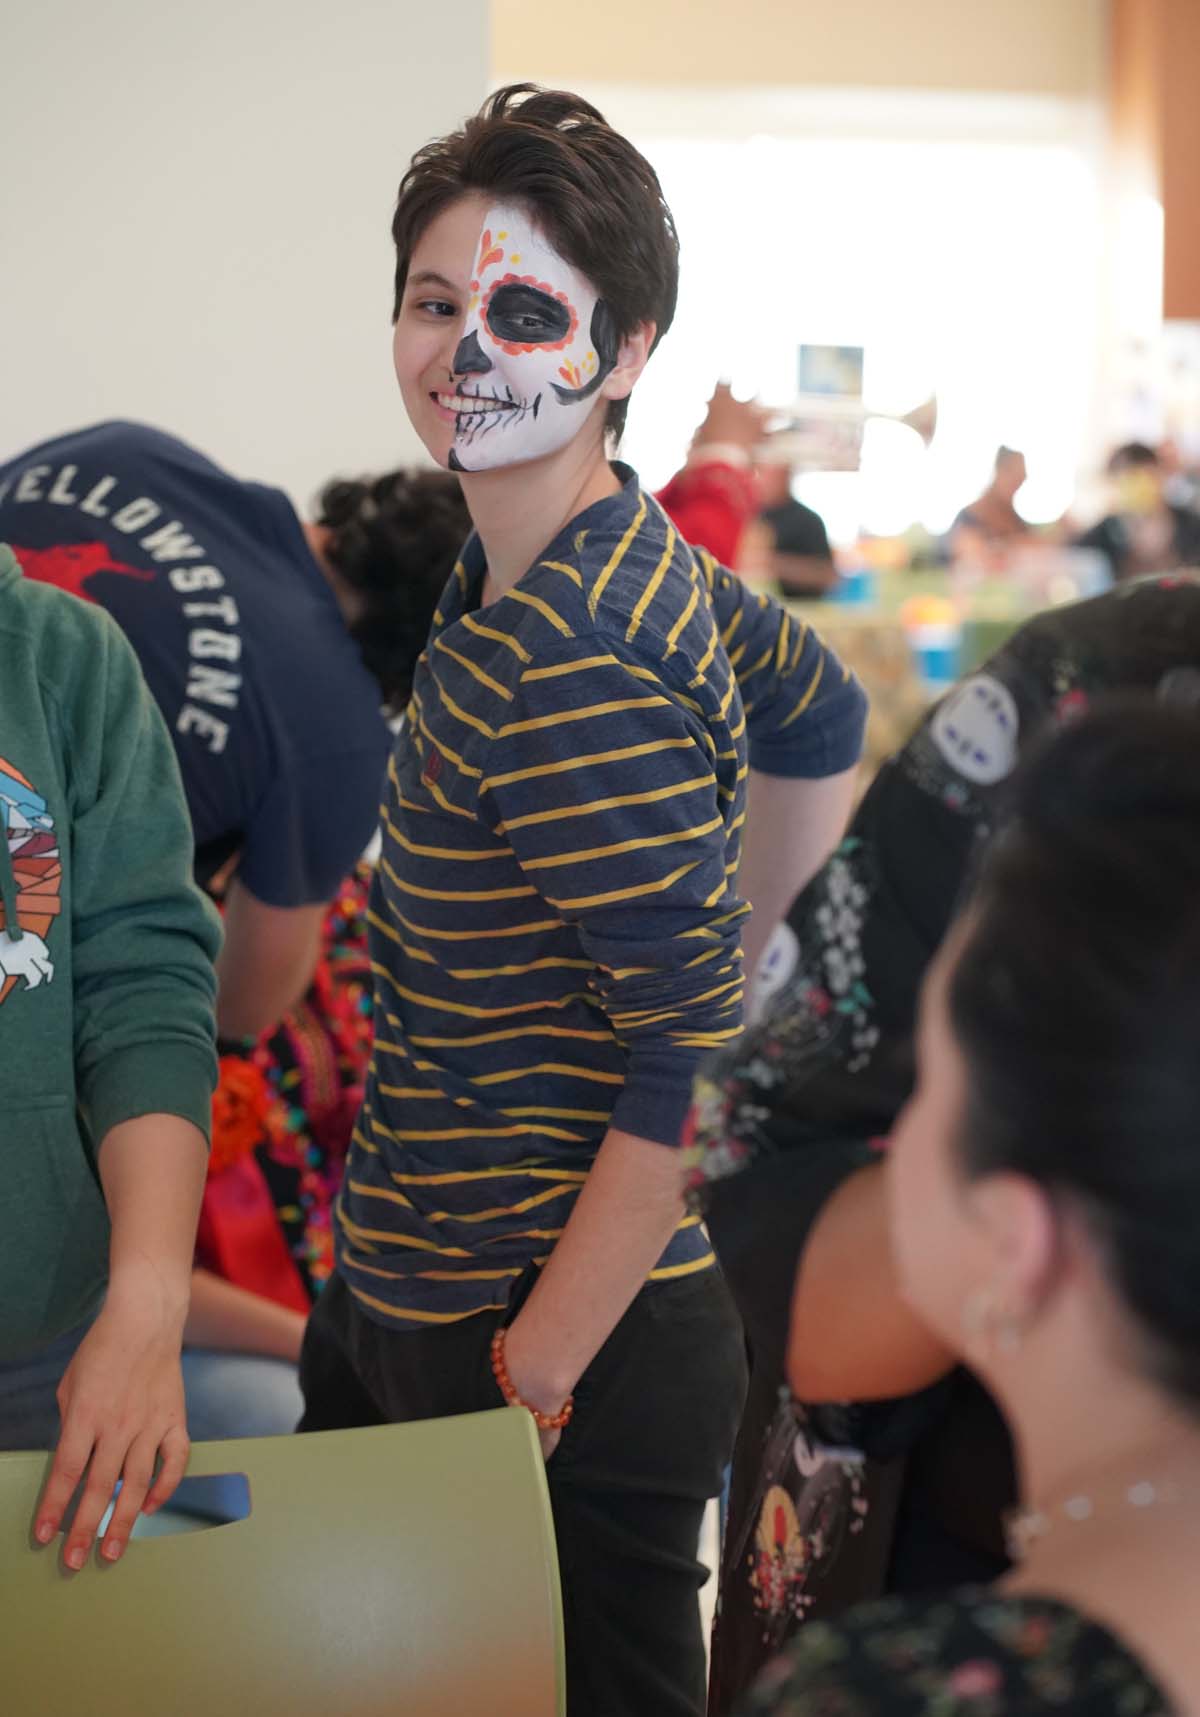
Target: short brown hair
x=590, y=190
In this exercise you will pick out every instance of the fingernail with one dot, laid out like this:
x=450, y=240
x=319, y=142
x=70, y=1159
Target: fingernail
x=75, y=1558
x=112, y=1549
x=45, y=1532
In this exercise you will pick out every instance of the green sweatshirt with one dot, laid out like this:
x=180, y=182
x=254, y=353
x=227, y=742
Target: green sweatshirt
x=106, y=947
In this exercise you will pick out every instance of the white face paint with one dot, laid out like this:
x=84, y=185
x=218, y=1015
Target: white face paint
x=537, y=344
x=976, y=730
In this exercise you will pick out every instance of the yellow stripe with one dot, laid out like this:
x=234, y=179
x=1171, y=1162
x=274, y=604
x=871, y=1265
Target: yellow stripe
x=435, y=792
x=389, y=1196
x=781, y=643
x=455, y=1177
x=615, y=706
x=761, y=662
x=404, y=1315
x=530, y=929
x=411, y=1242
x=715, y=923
x=393, y=935
x=652, y=796
x=703, y=959
x=468, y=1275
x=557, y=669
x=463, y=1008
x=651, y=590
x=482, y=631
x=538, y=1199
x=521, y=893
x=727, y=634
x=476, y=673
x=565, y=1067
x=737, y=655
x=635, y=1021
x=503, y=1036
x=413, y=1092
x=702, y=666
x=689, y=609
x=463, y=715
x=808, y=696
x=613, y=895
x=718, y=990
x=617, y=556
x=410, y=1135
x=549, y=964
x=639, y=844
x=602, y=1115
x=455, y=853
x=620, y=755
x=446, y=751
x=561, y=566
x=544, y=609
x=670, y=1271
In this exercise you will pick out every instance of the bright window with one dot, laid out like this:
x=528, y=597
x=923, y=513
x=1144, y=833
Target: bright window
x=966, y=269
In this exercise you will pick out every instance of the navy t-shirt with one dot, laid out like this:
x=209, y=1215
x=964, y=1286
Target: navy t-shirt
x=276, y=721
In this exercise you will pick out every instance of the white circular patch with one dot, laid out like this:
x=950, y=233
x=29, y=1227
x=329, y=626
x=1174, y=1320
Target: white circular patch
x=976, y=729
x=779, y=960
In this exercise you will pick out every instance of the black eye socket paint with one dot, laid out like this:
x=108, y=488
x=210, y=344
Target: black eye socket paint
x=524, y=315
x=605, y=344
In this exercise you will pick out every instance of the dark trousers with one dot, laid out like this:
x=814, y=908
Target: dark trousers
x=656, y=1414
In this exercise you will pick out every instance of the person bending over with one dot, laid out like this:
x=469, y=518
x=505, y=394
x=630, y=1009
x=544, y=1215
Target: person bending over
x=269, y=643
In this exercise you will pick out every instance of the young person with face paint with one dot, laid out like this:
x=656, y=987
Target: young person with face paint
x=558, y=914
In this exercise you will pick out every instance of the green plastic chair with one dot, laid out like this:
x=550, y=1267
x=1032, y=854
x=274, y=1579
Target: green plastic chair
x=397, y=1571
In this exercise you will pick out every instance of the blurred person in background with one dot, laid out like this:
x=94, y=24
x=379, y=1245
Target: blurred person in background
x=1145, y=532
x=733, y=499
x=714, y=496
x=796, y=547
x=991, y=525
x=273, y=645
x=885, y=1467
x=1042, y=1197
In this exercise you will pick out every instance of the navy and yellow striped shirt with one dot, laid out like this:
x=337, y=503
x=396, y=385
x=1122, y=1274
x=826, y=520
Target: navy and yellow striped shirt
x=555, y=921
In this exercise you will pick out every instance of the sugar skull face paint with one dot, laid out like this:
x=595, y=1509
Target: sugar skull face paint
x=535, y=342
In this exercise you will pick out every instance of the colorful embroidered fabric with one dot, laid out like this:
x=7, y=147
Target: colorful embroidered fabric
x=973, y=1655
x=283, y=1113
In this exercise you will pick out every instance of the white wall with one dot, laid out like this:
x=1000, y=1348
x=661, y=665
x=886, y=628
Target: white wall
x=194, y=208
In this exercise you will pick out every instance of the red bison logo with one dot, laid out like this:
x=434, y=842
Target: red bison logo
x=71, y=565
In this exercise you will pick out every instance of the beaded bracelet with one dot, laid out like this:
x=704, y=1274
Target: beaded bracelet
x=543, y=1421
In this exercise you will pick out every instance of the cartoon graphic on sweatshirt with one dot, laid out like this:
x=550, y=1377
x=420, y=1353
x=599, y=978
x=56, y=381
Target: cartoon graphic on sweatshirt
x=35, y=873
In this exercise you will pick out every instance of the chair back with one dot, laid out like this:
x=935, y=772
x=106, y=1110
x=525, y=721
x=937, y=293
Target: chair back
x=394, y=1571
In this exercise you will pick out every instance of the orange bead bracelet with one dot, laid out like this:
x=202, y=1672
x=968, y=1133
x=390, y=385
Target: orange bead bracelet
x=544, y=1421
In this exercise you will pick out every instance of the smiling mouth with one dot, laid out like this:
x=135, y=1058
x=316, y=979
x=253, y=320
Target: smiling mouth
x=476, y=404
x=478, y=413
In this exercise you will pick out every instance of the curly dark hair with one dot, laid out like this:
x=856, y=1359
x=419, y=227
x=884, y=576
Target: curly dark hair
x=590, y=190
x=394, y=539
